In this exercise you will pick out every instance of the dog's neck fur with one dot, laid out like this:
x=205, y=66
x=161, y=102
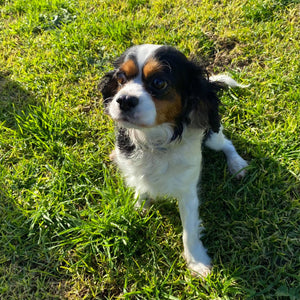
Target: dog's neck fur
x=152, y=138
x=132, y=141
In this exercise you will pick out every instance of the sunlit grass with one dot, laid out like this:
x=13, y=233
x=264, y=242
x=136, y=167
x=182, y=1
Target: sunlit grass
x=68, y=227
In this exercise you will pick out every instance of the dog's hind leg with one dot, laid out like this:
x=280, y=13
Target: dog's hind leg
x=236, y=164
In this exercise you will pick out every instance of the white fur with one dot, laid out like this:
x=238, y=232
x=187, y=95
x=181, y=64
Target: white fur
x=159, y=167
x=162, y=168
x=143, y=52
x=236, y=164
x=227, y=80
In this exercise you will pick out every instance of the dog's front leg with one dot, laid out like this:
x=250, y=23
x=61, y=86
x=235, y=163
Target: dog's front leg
x=195, y=253
x=142, y=201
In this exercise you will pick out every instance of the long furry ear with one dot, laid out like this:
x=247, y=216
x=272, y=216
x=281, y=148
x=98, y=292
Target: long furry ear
x=204, y=99
x=108, y=86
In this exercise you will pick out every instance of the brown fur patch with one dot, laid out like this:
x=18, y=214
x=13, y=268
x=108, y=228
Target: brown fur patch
x=168, y=109
x=151, y=67
x=130, y=68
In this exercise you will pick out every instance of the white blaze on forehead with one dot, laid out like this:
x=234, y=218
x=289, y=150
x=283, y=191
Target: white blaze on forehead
x=142, y=53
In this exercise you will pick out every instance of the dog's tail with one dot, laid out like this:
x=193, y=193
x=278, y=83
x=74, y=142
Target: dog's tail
x=226, y=81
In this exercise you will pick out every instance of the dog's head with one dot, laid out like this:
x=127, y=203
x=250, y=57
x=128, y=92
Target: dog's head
x=152, y=85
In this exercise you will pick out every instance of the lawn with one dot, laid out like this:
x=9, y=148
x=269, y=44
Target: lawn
x=68, y=229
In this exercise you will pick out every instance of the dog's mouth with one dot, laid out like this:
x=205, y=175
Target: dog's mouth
x=128, y=121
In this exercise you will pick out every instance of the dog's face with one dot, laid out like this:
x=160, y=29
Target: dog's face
x=152, y=85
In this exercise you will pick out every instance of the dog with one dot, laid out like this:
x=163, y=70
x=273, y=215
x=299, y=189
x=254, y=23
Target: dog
x=165, y=106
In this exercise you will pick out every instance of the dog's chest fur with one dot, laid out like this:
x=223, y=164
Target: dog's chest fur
x=157, y=168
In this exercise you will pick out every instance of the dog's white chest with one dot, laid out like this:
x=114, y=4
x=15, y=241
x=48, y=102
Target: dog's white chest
x=169, y=170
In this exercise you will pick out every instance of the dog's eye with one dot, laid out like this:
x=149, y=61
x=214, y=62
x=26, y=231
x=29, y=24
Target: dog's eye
x=159, y=84
x=121, y=77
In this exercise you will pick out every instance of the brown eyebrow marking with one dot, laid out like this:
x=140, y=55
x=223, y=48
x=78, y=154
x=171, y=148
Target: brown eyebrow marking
x=151, y=67
x=130, y=68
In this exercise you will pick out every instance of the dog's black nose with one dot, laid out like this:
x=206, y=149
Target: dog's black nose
x=127, y=102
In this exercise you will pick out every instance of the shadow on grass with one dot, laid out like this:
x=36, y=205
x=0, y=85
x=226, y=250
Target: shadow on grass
x=27, y=270
x=251, y=229
x=14, y=99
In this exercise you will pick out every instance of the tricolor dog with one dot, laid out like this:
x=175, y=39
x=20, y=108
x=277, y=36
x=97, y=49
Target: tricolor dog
x=165, y=106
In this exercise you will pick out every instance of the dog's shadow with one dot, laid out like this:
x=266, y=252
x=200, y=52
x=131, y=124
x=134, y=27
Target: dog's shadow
x=15, y=99
x=250, y=224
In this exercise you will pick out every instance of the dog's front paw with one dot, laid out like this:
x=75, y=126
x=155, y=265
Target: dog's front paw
x=143, y=202
x=199, y=269
x=237, y=165
x=112, y=156
x=200, y=262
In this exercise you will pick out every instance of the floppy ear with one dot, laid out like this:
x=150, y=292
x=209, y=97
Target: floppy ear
x=204, y=99
x=108, y=87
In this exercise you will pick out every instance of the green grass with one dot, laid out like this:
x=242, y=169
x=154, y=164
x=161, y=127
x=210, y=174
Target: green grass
x=68, y=228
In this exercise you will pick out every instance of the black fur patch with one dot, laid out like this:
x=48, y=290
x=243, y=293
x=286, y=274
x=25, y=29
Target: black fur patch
x=108, y=87
x=124, y=143
x=199, y=96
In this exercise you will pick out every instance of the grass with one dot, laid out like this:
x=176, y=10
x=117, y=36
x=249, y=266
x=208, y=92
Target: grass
x=68, y=227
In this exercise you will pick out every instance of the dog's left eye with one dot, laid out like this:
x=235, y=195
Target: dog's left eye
x=121, y=78
x=159, y=84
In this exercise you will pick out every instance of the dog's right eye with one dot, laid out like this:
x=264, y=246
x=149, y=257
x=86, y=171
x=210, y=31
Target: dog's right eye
x=121, y=77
